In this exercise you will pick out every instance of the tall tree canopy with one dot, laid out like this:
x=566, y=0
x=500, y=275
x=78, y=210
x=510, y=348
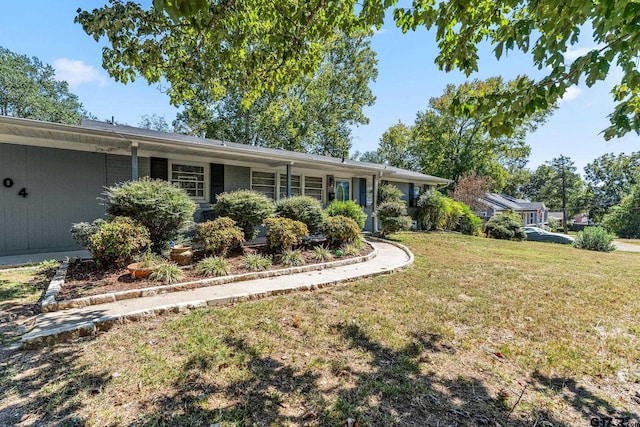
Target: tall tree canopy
x=314, y=114
x=609, y=178
x=29, y=89
x=212, y=45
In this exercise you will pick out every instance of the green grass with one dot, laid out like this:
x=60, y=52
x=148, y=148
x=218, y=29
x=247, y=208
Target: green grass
x=456, y=339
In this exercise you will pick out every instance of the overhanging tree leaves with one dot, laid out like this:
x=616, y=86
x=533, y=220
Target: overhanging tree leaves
x=29, y=89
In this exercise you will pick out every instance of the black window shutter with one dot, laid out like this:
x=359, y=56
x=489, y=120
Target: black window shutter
x=363, y=191
x=412, y=197
x=159, y=168
x=217, y=181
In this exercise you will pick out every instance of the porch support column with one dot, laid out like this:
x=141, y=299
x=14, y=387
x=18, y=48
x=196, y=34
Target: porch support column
x=374, y=219
x=289, y=180
x=134, y=161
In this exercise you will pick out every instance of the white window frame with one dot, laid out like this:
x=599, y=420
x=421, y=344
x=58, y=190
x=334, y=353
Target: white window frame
x=282, y=189
x=275, y=181
x=205, y=166
x=322, y=186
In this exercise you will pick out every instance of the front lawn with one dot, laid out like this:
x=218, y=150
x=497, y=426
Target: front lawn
x=477, y=332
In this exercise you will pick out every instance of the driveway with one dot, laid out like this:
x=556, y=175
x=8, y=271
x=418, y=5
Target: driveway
x=622, y=246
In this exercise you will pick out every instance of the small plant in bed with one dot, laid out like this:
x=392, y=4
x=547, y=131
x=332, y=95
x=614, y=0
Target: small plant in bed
x=322, y=254
x=256, y=262
x=213, y=266
x=290, y=258
x=167, y=273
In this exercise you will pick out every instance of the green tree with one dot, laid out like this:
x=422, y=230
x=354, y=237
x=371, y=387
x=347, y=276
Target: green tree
x=212, y=45
x=451, y=145
x=154, y=122
x=395, y=147
x=29, y=89
x=313, y=115
x=624, y=219
x=609, y=178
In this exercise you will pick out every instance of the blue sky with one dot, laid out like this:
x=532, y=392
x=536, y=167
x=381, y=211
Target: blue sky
x=407, y=79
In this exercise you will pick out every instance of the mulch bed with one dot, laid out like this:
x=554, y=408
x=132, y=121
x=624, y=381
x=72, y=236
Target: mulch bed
x=85, y=278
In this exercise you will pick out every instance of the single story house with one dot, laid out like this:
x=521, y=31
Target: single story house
x=533, y=213
x=52, y=175
x=558, y=217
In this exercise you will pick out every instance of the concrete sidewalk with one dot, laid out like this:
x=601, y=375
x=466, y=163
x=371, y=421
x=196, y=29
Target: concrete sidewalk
x=72, y=323
x=29, y=259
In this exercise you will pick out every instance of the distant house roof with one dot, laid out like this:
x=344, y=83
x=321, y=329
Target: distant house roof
x=100, y=136
x=504, y=202
x=556, y=215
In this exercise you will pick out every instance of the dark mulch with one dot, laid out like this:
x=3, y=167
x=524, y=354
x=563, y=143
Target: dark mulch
x=85, y=278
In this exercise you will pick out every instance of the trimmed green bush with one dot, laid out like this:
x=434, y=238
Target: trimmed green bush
x=291, y=258
x=167, y=272
x=156, y=204
x=339, y=230
x=349, y=209
x=213, y=266
x=392, y=217
x=624, y=219
x=595, y=239
x=116, y=242
x=81, y=232
x=468, y=222
x=283, y=233
x=219, y=236
x=432, y=210
x=506, y=226
x=389, y=193
x=248, y=208
x=304, y=209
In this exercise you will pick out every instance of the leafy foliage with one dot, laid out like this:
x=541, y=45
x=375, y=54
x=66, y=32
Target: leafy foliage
x=304, y=209
x=256, y=262
x=432, y=210
x=164, y=209
x=506, y=226
x=469, y=190
x=392, y=217
x=349, y=209
x=467, y=223
x=340, y=229
x=290, y=258
x=389, y=193
x=395, y=148
x=350, y=250
x=116, y=242
x=81, y=232
x=594, y=239
x=320, y=253
x=219, y=236
x=29, y=89
x=213, y=266
x=283, y=233
x=248, y=208
x=624, y=219
x=167, y=272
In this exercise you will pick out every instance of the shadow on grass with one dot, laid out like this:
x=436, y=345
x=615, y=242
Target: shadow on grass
x=46, y=387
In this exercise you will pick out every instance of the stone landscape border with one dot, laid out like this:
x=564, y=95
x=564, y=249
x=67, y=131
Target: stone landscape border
x=49, y=302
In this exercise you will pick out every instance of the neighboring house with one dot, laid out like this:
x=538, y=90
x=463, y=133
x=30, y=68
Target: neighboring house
x=559, y=217
x=52, y=175
x=533, y=213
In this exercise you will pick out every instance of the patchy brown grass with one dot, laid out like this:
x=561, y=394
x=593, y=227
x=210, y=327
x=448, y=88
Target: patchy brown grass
x=478, y=332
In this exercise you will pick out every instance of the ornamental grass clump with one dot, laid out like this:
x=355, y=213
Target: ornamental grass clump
x=167, y=272
x=283, y=233
x=321, y=253
x=291, y=258
x=213, y=266
x=247, y=208
x=595, y=239
x=158, y=205
x=219, y=236
x=256, y=262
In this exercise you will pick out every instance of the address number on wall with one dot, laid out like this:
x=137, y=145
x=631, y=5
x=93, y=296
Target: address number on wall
x=8, y=183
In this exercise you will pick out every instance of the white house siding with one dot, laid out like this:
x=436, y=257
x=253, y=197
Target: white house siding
x=61, y=186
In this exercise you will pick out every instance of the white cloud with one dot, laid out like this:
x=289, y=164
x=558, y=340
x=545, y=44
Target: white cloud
x=574, y=53
x=572, y=93
x=380, y=31
x=77, y=73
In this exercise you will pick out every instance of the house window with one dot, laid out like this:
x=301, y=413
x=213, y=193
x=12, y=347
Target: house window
x=190, y=178
x=531, y=218
x=342, y=191
x=313, y=187
x=265, y=183
x=295, y=185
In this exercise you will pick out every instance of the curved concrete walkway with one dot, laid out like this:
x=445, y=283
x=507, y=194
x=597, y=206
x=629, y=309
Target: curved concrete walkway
x=71, y=323
x=626, y=247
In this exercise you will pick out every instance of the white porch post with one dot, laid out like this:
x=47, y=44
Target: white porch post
x=374, y=219
x=134, y=161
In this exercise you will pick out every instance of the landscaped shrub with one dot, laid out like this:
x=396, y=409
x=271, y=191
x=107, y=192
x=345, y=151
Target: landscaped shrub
x=219, y=236
x=432, y=210
x=453, y=212
x=213, y=266
x=624, y=219
x=156, y=204
x=389, y=193
x=507, y=226
x=256, y=262
x=81, y=232
x=116, y=242
x=595, y=239
x=392, y=217
x=468, y=223
x=339, y=230
x=167, y=272
x=304, y=209
x=248, y=208
x=283, y=233
x=348, y=208
x=291, y=258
